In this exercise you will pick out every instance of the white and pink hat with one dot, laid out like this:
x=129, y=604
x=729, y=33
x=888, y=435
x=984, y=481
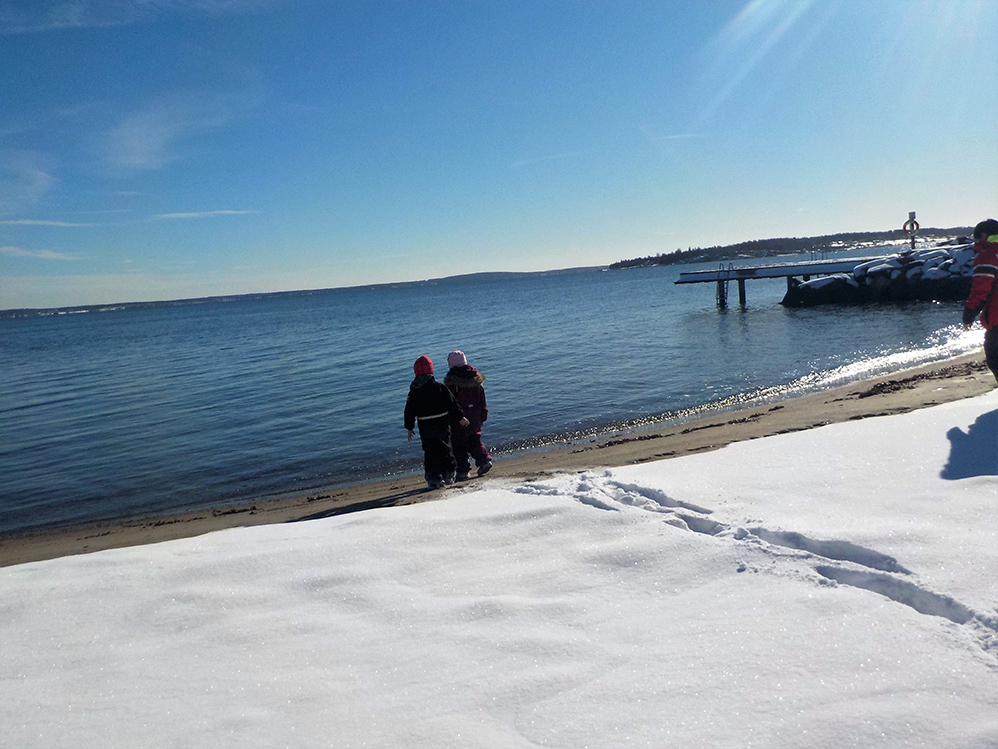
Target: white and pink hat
x=456, y=359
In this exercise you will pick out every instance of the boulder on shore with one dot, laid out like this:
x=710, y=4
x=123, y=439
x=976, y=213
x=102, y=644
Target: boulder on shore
x=939, y=273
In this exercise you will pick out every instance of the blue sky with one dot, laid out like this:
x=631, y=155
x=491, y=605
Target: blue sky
x=185, y=148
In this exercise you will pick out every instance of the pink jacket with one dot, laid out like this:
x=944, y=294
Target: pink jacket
x=466, y=384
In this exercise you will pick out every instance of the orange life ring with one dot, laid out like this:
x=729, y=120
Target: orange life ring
x=910, y=227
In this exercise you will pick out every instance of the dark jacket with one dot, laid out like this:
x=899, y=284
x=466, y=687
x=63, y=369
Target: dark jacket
x=465, y=382
x=431, y=403
x=981, y=300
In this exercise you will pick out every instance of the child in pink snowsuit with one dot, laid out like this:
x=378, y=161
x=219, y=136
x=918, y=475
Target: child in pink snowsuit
x=465, y=382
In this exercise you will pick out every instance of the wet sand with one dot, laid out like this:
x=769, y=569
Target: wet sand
x=929, y=385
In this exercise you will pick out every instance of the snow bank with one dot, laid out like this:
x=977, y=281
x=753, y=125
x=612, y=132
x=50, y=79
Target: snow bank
x=827, y=588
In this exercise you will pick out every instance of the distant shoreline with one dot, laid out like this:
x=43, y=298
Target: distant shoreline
x=763, y=248
x=223, y=298
x=900, y=392
x=756, y=248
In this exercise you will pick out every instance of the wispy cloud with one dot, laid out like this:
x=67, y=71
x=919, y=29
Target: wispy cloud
x=669, y=144
x=39, y=16
x=201, y=214
x=40, y=254
x=40, y=222
x=678, y=136
x=24, y=179
x=156, y=217
x=153, y=136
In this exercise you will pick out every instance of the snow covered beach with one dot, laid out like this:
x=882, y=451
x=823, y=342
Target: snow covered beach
x=824, y=588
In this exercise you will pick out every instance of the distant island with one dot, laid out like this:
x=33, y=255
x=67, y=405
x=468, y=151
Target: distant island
x=788, y=246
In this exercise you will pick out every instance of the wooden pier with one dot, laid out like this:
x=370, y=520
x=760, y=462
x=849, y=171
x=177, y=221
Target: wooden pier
x=804, y=269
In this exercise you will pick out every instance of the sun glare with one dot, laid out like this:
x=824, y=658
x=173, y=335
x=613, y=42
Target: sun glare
x=743, y=43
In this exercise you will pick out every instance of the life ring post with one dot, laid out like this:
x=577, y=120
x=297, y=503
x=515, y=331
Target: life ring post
x=911, y=227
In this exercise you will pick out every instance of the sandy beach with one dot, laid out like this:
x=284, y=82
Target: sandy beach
x=929, y=385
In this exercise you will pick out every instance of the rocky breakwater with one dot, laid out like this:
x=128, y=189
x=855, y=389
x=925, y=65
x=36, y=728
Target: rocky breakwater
x=940, y=273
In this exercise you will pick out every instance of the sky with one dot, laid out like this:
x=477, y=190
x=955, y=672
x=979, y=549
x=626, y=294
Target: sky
x=727, y=599
x=187, y=148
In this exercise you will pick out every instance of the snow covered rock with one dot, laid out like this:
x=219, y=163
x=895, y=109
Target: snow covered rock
x=940, y=273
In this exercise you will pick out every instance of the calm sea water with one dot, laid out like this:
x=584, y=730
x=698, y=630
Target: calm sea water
x=137, y=410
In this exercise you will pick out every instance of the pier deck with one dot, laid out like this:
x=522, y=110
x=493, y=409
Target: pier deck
x=804, y=268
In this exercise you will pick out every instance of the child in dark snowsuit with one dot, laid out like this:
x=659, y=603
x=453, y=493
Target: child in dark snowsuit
x=433, y=406
x=466, y=383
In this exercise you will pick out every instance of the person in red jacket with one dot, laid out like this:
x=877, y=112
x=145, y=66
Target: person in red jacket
x=983, y=297
x=465, y=382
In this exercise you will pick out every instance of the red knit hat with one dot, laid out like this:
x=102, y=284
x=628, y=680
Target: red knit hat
x=423, y=366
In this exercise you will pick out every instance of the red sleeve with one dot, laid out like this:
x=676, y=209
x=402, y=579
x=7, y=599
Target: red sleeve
x=985, y=271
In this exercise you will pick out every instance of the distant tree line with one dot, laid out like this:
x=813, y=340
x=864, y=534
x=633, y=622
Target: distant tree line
x=786, y=246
